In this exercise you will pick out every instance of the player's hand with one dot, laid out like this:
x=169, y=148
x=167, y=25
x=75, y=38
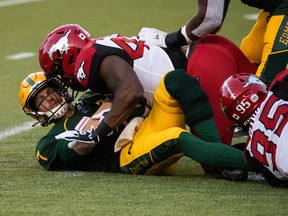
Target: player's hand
x=153, y=37
x=73, y=144
x=86, y=137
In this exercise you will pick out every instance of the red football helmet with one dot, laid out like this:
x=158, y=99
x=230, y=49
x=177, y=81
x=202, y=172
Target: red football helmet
x=60, y=48
x=240, y=95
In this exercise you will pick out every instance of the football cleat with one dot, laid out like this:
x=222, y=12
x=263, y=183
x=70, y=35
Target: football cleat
x=231, y=174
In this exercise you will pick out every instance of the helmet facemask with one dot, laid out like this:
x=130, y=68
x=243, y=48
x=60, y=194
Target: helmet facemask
x=55, y=113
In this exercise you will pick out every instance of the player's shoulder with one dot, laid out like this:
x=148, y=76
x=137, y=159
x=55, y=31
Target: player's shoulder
x=86, y=52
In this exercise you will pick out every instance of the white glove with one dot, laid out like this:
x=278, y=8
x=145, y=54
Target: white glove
x=153, y=37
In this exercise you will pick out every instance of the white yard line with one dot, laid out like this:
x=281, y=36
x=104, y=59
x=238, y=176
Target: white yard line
x=250, y=16
x=20, y=56
x=17, y=129
x=27, y=125
x=15, y=2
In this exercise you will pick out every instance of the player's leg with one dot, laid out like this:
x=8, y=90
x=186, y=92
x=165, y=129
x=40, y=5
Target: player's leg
x=229, y=161
x=179, y=99
x=213, y=60
x=151, y=153
x=173, y=105
x=153, y=149
x=194, y=103
x=214, y=154
x=158, y=153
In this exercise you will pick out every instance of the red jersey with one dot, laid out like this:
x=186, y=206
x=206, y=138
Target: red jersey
x=268, y=140
x=150, y=63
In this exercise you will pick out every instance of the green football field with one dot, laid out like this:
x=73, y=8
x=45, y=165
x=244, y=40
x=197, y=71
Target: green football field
x=26, y=189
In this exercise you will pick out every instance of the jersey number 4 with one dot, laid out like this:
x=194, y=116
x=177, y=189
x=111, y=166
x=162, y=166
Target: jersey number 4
x=133, y=47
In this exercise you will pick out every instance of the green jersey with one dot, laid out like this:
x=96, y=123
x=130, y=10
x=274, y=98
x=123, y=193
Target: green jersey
x=55, y=154
x=274, y=7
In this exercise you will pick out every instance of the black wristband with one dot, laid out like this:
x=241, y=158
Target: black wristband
x=175, y=39
x=103, y=129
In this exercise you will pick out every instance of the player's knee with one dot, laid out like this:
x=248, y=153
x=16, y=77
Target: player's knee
x=189, y=94
x=178, y=83
x=167, y=150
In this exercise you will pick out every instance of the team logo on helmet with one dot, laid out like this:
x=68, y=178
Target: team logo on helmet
x=254, y=98
x=62, y=45
x=81, y=75
x=253, y=80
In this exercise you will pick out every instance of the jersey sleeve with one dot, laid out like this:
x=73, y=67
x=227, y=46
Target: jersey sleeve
x=88, y=62
x=87, y=68
x=54, y=154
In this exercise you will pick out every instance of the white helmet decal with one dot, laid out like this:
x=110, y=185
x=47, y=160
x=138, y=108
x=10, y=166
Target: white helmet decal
x=253, y=80
x=62, y=45
x=80, y=73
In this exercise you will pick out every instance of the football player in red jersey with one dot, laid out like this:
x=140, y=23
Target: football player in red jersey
x=131, y=70
x=112, y=64
x=246, y=100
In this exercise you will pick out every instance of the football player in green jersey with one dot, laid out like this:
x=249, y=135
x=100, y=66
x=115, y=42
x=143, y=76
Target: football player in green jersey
x=150, y=145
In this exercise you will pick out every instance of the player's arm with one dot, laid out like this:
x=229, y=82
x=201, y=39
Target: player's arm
x=121, y=79
x=82, y=148
x=207, y=20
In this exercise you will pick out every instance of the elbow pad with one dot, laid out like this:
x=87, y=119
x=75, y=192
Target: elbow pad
x=213, y=19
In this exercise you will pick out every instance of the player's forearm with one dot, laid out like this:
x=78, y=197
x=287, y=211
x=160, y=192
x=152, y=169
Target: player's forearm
x=124, y=103
x=122, y=80
x=84, y=149
x=208, y=20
